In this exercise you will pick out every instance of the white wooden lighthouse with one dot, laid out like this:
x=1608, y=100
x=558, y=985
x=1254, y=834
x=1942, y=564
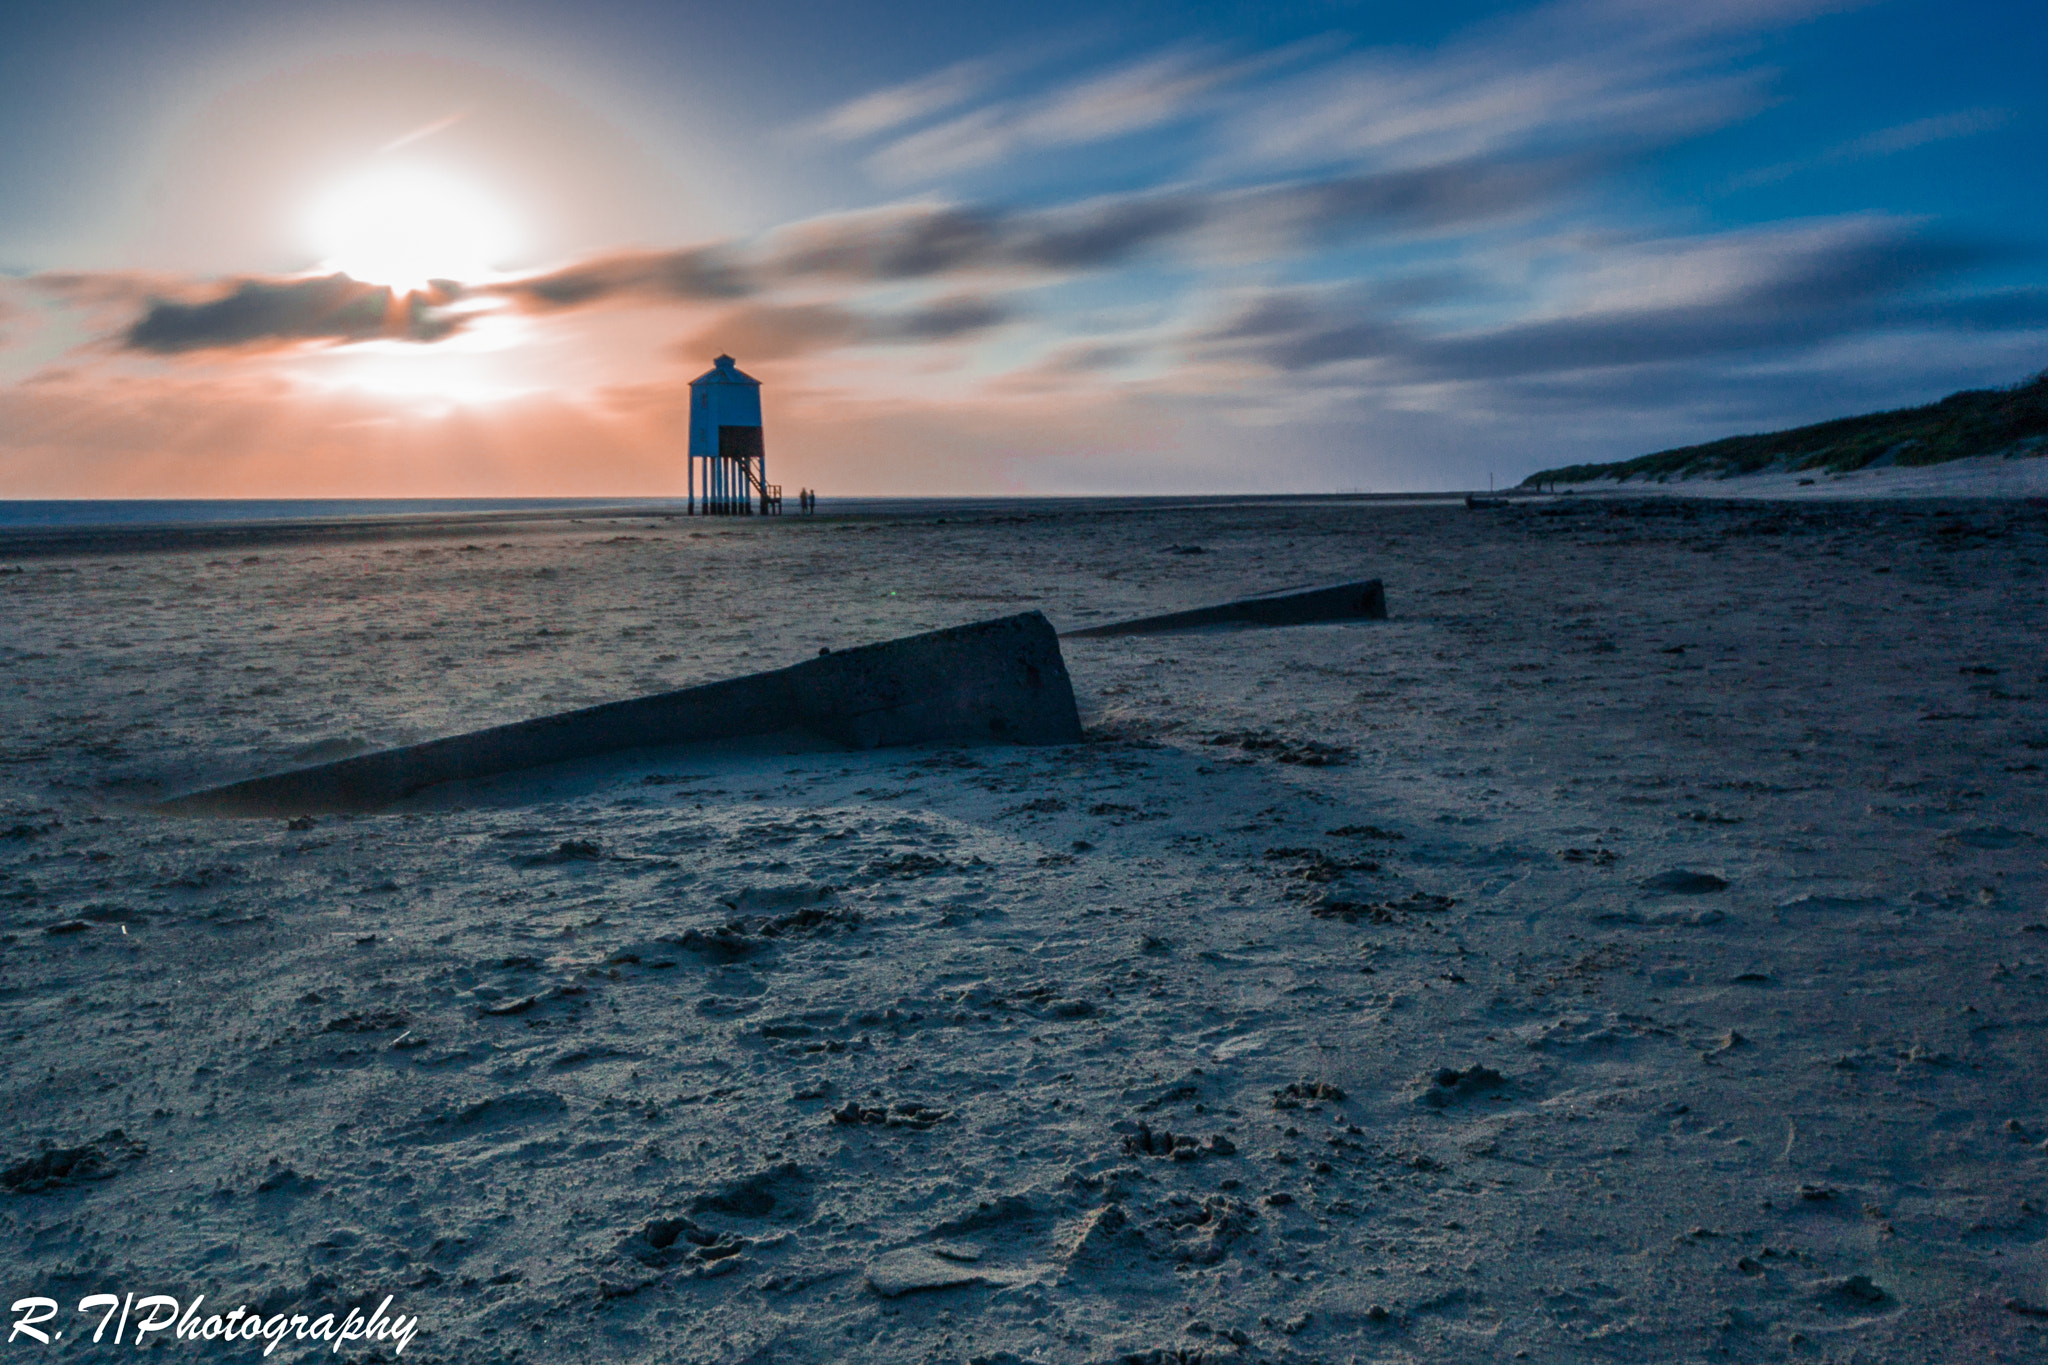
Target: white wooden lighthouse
x=728, y=461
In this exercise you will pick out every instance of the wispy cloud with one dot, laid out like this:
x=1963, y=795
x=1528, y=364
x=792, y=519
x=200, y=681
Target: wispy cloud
x=424, y=131
x=1902, y=137
x=881, y=111
x=1568, y=75
x=1132, y=98
x=1571, y=73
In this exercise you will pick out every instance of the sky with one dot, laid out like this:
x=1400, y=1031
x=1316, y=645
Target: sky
x=479, y=250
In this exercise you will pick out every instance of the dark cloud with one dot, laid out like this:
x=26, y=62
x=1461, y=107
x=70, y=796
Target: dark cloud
x=1997, y=310
x=1802, y=291
x=274, y=312
x=1856, y=288
x=778, y=331
x=1449, y=195
x=1092, y=237
x=910, y=242
x=942, y=320
x=693, y=274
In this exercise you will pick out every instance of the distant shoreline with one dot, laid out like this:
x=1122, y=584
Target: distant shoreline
x=1987, y=478
x=125, y=535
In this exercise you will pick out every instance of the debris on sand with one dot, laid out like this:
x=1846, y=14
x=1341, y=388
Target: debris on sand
x=1380, y=912
x=1681, y=881
x=1297, y=1093
x=568, y=851
x=1205, y=1232
x=377, y=1020
x=751, y=898
x=668, y=1241
x=1851, y=1291
x=1449, y=1085
x=900, y=1115
x=512, y=1109
x=1306, y=753
x=1313, y=865
x=1598, y=857
x=908, y=865
x=1180, y=1146
x=55, y=1167
x=776, y=1190
x=1101, y=1232
x=742, y=937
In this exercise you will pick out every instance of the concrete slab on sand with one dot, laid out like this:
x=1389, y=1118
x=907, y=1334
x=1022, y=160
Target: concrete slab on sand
x=1001, y=681
x=1365, y=600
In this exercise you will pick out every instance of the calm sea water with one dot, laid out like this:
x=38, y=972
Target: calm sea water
x=136, y=512
x=82, y=512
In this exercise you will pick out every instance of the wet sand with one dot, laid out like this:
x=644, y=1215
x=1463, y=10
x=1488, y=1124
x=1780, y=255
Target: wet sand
x=1636, y=948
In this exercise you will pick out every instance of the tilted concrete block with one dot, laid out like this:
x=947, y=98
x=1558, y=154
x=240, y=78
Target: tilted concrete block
x=993, y=682
x=1363, y=601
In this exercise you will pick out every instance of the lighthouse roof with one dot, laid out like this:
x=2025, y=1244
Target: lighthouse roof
x=724, y=371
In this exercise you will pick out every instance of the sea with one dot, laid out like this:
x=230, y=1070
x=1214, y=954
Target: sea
x=85, y=514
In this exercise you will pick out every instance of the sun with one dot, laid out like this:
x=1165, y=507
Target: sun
x=407, y=225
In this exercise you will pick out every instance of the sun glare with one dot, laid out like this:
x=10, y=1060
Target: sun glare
x=404, y=226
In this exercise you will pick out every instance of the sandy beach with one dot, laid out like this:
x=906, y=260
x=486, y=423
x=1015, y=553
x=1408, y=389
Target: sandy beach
x=1633, y=949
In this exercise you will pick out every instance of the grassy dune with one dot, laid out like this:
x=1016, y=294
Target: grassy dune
x=1974, y=422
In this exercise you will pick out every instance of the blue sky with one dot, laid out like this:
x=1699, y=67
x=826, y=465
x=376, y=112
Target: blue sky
x=1137, y=247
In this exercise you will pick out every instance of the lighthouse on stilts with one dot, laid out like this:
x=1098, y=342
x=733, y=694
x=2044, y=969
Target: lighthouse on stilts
x=728, y=463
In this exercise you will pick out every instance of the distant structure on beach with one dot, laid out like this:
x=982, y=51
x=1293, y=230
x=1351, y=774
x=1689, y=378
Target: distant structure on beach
x=727, y=459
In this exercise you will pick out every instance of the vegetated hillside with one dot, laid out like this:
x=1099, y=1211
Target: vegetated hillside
x=1973, y=422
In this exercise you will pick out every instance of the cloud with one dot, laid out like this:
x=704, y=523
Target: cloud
x=1554, y=80
x=275, y=312
x=1884, y=142
x=779, y=331
x=690, y=273
x=1922, y=132
x=1693, y=300
x=891, y=244
x=908, y=242
x=881, y=110
x=920, y=241
x=425, y=130
x=1601, y=73
x=1141, y=95
x=118, y=288
x=1315, y=213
